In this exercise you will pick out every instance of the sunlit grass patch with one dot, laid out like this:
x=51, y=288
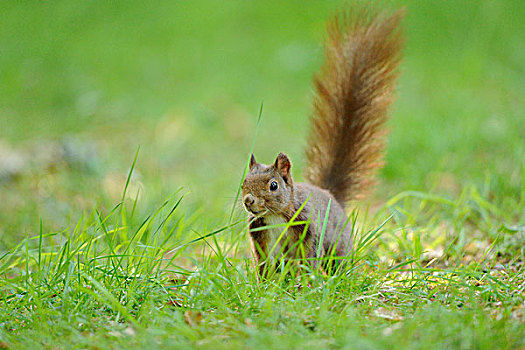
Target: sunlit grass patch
x=115, y=279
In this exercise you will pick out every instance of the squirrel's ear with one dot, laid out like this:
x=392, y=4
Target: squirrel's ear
x=252, y=162
x=283, y=165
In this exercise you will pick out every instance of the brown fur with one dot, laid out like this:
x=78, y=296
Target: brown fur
x=260, y=241
x=353, y=93
x=300, y=241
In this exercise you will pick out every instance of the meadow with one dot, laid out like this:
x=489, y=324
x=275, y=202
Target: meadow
x=125, y=129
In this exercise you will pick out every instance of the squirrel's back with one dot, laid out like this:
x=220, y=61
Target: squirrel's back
x=352, y=94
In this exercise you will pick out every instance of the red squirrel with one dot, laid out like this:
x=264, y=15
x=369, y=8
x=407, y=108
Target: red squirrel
x=346, y=142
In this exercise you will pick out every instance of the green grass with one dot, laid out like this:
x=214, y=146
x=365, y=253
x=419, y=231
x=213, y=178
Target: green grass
x=120, y=280
x=167, y=264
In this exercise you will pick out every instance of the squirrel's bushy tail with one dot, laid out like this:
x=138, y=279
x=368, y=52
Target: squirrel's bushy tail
x=353, y=93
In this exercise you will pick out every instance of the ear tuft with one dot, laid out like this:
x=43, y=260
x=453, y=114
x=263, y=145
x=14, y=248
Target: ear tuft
x=283, y=165
x=252, y=162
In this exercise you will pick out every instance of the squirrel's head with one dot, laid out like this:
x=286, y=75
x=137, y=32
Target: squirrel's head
x=268, y=189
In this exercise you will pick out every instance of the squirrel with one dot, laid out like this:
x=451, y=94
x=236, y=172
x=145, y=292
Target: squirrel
x=345, y=146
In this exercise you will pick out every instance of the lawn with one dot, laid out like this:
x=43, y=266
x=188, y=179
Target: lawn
x=124, y=132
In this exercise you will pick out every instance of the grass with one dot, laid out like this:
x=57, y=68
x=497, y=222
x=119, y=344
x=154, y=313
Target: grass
x=114, y=281
x=103, y=249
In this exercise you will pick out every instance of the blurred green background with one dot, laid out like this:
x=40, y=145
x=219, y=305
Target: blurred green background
x=83, y=84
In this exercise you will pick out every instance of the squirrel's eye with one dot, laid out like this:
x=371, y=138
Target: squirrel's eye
x=273, y=186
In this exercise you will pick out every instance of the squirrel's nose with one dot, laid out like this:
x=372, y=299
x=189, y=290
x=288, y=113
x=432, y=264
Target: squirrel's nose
x=248, y=200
